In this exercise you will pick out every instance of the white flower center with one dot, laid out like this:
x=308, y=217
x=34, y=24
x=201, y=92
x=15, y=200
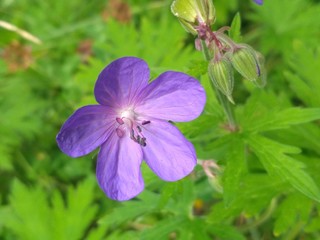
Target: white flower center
x=128, y=114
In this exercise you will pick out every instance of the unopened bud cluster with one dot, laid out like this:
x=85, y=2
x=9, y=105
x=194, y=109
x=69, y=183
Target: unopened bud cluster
x=197, y=16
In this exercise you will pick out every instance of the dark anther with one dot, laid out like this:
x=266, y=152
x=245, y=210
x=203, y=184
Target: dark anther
x=132, y=135
x=143, y=142
x=139, y=128
x=120, y=121
x=145, y=122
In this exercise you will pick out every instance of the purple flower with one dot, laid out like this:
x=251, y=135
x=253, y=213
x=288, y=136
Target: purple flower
x=130, y=124
x=260, y=2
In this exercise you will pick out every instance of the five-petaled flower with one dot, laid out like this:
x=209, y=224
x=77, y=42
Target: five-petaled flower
x=130, y=124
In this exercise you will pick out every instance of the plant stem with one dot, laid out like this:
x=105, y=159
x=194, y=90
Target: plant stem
x=221, y=98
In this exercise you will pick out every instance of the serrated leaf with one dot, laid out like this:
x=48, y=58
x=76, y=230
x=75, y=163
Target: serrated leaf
x=273, y=157
x=73, y=216
x=34, y=217
x=281, y=119
x=26, y=221
x=235, y=29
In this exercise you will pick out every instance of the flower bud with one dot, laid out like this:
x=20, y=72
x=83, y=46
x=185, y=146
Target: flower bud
x=245, y=60
x=193, y=13
x=221, y=75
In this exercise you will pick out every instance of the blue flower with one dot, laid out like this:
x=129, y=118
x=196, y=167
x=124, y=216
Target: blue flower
x=130, y=124
x=260, y=2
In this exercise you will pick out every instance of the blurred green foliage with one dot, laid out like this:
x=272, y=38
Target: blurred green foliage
x=265, y=182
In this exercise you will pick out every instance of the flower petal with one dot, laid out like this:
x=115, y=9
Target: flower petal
x=260, y=2
x=173, y=96
x=118, y=168
x=121, y=82
x=167, y=152
x=85, y=130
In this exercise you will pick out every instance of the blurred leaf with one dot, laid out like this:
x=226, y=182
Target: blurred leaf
x=277, y=163
x=225, y=232
x=304, y=136
x=164, y=227
x=235, y=29
x=314, y=225
x=129, y=235
x=255, y=194
x=303, y=77
x=234, y=172
x=198, y=230
x=70, y=218
x=147, y=44
x=277, y=33
x=283, y=119
x=197, y=68
x=295, y=208
x=130, y=210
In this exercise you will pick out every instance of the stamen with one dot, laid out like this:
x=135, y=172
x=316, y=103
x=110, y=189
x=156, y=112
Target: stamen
x=145, y=122
x=143, y=142
x=132, y=135
x=120, y=133
x=136, y=134
x=119, y=120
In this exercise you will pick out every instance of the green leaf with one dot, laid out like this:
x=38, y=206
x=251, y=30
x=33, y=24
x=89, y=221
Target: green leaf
x=295, y=208
x=234, y=172
x=280, y=119
x=197, y=68
x=254, y=196
x=304, y=90
x=235, y=29
x=73, y=216
x=32, y=216
x=130, y=210
x=303, y=78
x=183, y=198
x=225, y=232
x=273, y=157
x=170, y=190
x=163, y=228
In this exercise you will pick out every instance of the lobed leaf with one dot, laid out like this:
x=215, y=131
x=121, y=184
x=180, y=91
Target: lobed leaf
x=274, y=158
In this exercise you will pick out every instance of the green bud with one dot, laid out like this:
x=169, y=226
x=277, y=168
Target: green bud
x=246, y=61
x=192, y=13
x=221, y=75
